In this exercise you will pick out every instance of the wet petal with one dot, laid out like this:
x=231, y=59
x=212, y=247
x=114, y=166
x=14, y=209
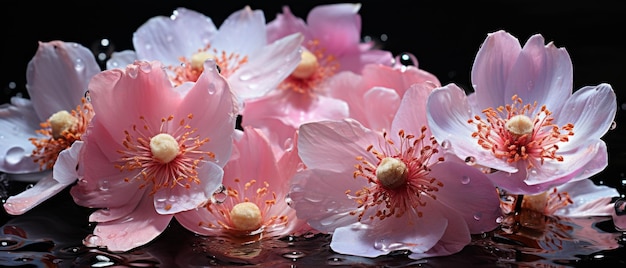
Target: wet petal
x=243, y=32
x=589, y=199
x=57, y=76
x=134, y=230
x=120, y=59
x=492, y=68
x=591, y=110
x=448, y=111
x=168, y=38
x=19, y=122
x=45, y=188
x=173, y=200
x=65, y=168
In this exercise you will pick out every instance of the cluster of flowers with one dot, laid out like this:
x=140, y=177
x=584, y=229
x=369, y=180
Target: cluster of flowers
x=336, y=136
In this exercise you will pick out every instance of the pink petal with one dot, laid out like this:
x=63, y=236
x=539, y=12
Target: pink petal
x=214, y=111
x=347, y=138
x=45, y=188
x=411, y=114
x=591, y=110
x=57, y=76
x=285, y=24
x=492, y=67
x=132, y=231
x=337, y=26
x=65, y=167
x=173, y=200
x=381, y=117
x=448, y=111
x=168, y=38
x=541, y=73
x=481, y=208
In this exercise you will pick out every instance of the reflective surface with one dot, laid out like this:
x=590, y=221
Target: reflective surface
x=51, y=236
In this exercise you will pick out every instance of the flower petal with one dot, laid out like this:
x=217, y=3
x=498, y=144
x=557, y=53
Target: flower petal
x=131, y=231
x=448, y=111
x=45, y=188
x=19, y=123
x=168, y=38
x=57, y=76
x=120, y=59
x=243, y=32
x=589, y=199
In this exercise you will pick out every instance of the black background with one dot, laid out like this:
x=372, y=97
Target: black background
x=443, y=35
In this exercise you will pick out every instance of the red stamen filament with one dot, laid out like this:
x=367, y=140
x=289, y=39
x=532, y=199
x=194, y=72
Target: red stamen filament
x=535, y=147
x=416, y=153
x=180, y=171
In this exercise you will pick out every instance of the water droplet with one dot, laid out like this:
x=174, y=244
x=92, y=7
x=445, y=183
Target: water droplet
x=470, y=160
x=12, y=85
x=87, y=96
x=245, y=76
x=334, y=261
x=104, y=185
x=406, y=59
x=132, y=71
x=219, y=196
x=288, y=200
x=478, y=215
x=379, y=244
x=288, y=144
x=613, y=125
x=499, y=219
x=79, y=65
x=146, y=68
x=465, y=179
x=211, y=89
x=446, y=145
x=294, y=255
x=14, y=155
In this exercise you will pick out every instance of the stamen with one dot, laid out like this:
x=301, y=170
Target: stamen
x=512, y=133
x=246, y=216
x=62, y=129
x=315, y=67
x=399, y=179
x=168, y=158
x=191, y=69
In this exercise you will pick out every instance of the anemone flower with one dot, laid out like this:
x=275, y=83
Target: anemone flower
x=184, y=40
x=331, y=45
x=377, y=192
x=253, y=205
x=40, y=129
x=152, y=150
x=522, y=119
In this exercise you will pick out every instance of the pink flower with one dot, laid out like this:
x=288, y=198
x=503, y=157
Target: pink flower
x=152, y=150
x=523, y=120
x=253, y=206
x=377, y=83
x=331, y=45
x=240, y=48
x=378, y=192
x=40, y=129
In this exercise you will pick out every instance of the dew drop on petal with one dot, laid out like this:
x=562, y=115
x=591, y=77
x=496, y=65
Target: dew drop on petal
x=379, y=244
x=146, y=68
x=14, y=155
x=613, y=125
x=620, y=207
x=288, y=200
x=211, y=89
x=79, y=65
x=103, y=185
x=446, y=145
x=219, y=196
x=92, y=241
x=470, y=160
x=288, y=145
x=465, y=179
x=132, y=71
x=406, y=59
x=477, y=216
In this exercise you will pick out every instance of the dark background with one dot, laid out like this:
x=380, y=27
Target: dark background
x=443, y=35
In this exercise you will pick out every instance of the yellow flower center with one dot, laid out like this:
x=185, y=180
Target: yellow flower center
x=307, y=67
x=392, y=172
x=198, y=59
x=61, y=121
x=164, y=147
x=519, y=125
x=246, y=216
